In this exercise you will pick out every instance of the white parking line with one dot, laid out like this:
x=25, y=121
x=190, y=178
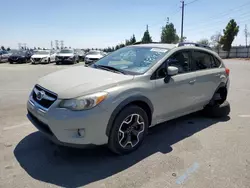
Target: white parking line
x=16, y=126
x=244, y=116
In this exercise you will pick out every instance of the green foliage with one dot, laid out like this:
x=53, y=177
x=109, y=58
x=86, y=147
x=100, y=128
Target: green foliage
x=204, y=42
x=146, y=37
x=132, y=39
x=229, y=33
x=168, y=34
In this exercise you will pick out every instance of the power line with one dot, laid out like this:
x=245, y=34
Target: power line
x=224, y=13
x=217, y=21
x=191, y=2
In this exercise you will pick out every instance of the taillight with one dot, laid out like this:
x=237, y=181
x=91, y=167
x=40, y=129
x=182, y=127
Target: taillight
x=227, y=71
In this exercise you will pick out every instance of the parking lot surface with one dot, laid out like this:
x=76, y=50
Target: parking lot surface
x=191, y=151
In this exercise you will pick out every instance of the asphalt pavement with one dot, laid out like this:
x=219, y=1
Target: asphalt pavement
x=192, y=151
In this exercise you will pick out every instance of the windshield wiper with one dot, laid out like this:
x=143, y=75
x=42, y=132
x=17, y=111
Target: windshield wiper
x=109, y=68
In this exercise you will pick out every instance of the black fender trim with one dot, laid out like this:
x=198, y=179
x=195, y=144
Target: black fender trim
x=125, y=103
x=221, y=85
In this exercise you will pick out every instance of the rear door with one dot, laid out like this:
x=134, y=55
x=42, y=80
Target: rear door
x=208, y=75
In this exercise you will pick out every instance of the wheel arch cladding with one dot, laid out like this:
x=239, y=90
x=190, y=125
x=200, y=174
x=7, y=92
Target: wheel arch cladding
x=138, y=100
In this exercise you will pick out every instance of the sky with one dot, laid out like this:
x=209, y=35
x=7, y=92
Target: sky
x=103, y=23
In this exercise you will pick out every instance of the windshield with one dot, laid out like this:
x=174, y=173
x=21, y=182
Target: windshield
x=133, y=60
x=94, y=53
x=66, y=51
x=19, y=53
x=42, y=52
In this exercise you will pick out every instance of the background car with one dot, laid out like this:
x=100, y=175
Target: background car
x=20, y=56
x=80, y=53
x=4, y=55
x=43, y=56
x=92, y=56
x=67, y=56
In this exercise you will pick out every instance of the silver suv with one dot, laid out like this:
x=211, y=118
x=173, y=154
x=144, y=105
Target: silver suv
x=116, y=100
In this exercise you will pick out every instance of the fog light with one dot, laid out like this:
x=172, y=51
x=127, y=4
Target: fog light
x=81, y=132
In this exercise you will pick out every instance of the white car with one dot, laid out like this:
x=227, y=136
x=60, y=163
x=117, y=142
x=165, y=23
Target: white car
x=93, y=56
x=43, y=56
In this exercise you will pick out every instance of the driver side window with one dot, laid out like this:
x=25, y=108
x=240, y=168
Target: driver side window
x=181, y=60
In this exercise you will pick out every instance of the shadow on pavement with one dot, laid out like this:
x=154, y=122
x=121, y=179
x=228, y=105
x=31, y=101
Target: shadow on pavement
x=78, y=167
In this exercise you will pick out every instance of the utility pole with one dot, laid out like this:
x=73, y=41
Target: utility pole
x=62, y=45
x=56, y=44
x=246, y=34
x=182, y=19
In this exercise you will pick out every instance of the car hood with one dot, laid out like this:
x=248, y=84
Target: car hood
x=80, y=80
x=65, y=54
x=17, y=55
x=94, y=56
x=39, y=56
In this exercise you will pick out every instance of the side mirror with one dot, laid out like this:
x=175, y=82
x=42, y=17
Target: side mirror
x=172, y=70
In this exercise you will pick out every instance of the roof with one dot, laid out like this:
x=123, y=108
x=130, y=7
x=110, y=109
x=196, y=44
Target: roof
x=157, y=45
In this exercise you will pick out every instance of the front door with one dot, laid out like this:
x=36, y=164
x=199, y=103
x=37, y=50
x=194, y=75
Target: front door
x=176, y=97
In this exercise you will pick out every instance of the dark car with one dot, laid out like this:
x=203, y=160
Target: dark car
x=20, y=56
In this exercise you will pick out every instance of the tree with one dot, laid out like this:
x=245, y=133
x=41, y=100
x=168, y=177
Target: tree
x=127, y=42
x=229, y=33
x=34, y=48
x=204, y=42
x=40, y=48
x=8, y=49
x=168, y=34
x=146, y=37
x=2, y=47
x=132, y=39
x=215, y=40
x=117, y=47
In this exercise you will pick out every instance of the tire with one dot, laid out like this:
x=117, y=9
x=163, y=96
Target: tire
x=57, y=63
x=218, y=110
x=122, y=130
x=48, y=61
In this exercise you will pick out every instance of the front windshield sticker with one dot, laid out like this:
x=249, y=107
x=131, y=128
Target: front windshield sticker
x=162, y=50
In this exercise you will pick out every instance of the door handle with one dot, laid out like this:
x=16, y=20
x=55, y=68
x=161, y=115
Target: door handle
x=192, y=81
x=217, y=75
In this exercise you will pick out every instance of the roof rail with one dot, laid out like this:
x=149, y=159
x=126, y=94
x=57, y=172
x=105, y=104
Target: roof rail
x=195, y=44
x=140, y=42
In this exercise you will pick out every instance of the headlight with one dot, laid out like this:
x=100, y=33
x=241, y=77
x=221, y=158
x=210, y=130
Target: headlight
x=85, y=102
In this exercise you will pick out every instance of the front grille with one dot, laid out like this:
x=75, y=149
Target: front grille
x=62, y=57
x=37, y=59
x=48, y=99
x=93, y=59
x=40, y=125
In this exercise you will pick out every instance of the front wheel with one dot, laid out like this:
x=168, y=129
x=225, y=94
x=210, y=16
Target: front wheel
x=129, y=130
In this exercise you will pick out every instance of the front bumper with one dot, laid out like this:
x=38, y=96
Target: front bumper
x=17, y=60
x=62, y=125
x=42, y=60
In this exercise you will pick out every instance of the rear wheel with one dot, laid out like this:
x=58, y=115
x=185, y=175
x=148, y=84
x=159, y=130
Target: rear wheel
x=217, y=110
x=129, y=130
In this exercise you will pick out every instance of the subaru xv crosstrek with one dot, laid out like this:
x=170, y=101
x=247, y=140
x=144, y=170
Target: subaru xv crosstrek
x=116, y=99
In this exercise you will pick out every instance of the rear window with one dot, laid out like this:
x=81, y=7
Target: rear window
x=215, y=63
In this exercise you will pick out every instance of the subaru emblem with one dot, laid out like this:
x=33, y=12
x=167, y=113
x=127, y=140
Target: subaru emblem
x=40, y=95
